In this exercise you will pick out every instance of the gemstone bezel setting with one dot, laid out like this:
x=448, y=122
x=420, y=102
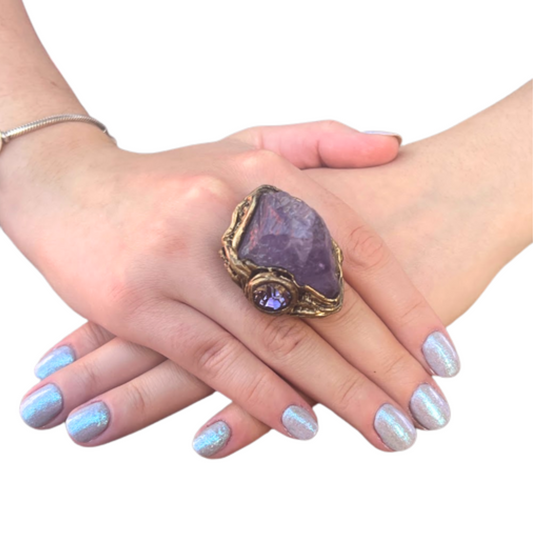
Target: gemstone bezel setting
x=304, y=300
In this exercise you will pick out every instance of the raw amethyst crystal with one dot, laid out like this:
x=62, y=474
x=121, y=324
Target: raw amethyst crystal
x=285, y=232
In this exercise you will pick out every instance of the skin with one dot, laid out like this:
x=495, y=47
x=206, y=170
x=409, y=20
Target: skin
x=91, y=157
x=127, y=273
x=451, y=262
x=122, y=238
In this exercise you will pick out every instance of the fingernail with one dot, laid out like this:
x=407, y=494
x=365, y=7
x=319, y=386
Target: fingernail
x=441, y=355
x=389, y=133
x=212, y=439
x=429, y=408
x=41, y=406
x=88, y=422
x=299, y=422
x=55, y=360
x=394, y=428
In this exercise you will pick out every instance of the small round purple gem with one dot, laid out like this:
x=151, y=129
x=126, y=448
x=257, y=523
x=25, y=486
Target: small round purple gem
x=272, y=297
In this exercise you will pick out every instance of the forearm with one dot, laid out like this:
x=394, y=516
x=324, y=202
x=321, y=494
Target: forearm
x=31, y=88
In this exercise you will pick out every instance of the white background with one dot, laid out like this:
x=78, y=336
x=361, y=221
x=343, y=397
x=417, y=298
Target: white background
x=162, y=74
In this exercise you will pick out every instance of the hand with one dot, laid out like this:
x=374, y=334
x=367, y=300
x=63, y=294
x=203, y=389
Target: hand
x=446, y=256
x=142, y=387
x=118, y=251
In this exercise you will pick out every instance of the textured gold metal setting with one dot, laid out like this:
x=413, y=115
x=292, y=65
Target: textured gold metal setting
x=305, y=301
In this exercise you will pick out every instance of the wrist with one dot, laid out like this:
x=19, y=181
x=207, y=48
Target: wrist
x=476, y=202
x=482, y=167
x=44, y=171
x=52, y=147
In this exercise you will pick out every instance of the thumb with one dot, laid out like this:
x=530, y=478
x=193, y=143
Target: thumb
x=325, y=143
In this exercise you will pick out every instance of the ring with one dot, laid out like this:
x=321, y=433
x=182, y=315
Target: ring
x=280, y=252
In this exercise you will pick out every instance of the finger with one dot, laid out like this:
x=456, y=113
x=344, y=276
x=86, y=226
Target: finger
x=210, y=353
x=391, y=366
x=364, y=340
x=152, y=396
x=372, y=270
x=285, y=344
x=229, y=431
x=377, y=276
x=77, y=344
x=324, y=144
x=48, y=403
x=296, y=352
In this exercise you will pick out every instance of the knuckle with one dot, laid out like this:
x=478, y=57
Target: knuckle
x=216, y=357
x=131, y=294
x=203, y=190
x=348, y=393
x=330, y=124
x=365, y=250
x=250, y=135
x=87, y=376
x=260, y=390
x=137, y=399
x=200, y=197
x=95, y=335
x=257, y=159
x=348, y=318
x=138, y=352
x=284, y=338
x=180, y=379
x=122, y=295
x=394, y=367
x=194, y=192
x=125, y=303
x=414, y=310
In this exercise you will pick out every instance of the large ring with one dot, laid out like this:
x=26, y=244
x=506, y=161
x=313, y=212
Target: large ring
x=280, y=252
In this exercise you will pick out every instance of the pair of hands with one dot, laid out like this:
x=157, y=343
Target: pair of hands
x=131, y=242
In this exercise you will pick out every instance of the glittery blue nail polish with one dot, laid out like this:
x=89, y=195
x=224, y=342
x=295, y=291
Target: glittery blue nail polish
x=42, y=406
x=441, y=355
x=429, y=408
x=394, y=428
x=55, y=360
x=299, y=422
x=88, y=422
x=212, y=439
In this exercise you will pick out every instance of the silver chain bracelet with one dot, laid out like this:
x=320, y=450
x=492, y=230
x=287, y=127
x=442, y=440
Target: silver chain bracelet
x=6, y=136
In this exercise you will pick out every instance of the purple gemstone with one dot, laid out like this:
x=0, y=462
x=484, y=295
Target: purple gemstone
x=272, y=297
x=285, y=232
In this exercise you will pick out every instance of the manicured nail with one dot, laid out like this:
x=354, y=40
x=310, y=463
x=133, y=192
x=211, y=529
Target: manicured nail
x=394, y=428
x=441, y=355
x=212, y=439
x=299, y=422
x=55, y=360
x=41, y=406
x=88, y=422
x=429, y=408
x=389, y=133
